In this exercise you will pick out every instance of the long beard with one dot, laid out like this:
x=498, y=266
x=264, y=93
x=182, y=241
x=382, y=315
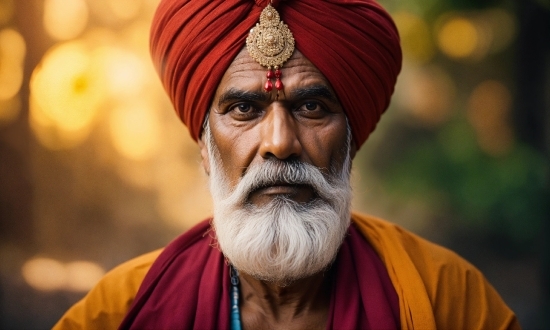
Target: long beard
x=283, y=240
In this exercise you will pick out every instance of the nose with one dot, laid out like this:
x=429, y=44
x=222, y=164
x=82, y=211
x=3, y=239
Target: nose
x=279, y=134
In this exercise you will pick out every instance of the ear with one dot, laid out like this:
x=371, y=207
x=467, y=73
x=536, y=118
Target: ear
x=352, y=149
x=205, y=157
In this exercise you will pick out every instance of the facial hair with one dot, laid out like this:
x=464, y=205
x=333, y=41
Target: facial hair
x=283, y=240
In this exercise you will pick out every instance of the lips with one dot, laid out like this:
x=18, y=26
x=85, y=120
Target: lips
x=282, y=189
x=297, y=192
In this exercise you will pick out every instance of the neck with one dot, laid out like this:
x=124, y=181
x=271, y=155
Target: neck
x=272, y=305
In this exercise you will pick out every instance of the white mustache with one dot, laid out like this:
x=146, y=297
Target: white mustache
x=274, y=172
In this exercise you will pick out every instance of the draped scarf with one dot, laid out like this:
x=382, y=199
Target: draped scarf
x=188, y=287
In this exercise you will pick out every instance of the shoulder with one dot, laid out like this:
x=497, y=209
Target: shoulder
x=434, y=281
x=106, y=304
x=391, y=240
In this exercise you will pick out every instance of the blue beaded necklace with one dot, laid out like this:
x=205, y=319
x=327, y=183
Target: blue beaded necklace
x=235, y=313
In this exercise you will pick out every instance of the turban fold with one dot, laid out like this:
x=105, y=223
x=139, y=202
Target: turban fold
x=354, y=43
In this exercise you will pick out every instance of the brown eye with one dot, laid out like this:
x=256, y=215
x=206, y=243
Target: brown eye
x=311, y=106
x=243, y=107
x=243, y=111
x=312, y=110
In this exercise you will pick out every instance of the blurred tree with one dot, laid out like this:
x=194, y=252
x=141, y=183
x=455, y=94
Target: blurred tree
x=490, y=197
x=532, y=115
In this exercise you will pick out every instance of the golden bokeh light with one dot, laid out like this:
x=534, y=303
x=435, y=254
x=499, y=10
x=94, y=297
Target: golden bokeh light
x=66, y=94
x=135, y=130
x=125, y=9
x=116, y=12
x=124, y=72
x=489, y=108
x=65, y=19
x=476, y=34
x=428, y=93
x=136, y=37
x=12, y=56
x=12, y=45
x=97, y=37
x=11, y=78
x=415, y=36
x=44, y=274
x=81, y=276
x=458, y=37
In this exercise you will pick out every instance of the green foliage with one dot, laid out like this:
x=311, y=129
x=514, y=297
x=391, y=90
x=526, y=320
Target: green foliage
x=502, y=196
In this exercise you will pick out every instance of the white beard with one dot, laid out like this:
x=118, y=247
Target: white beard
x=284, y=240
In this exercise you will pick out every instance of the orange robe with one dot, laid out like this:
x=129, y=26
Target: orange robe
x=437, y=289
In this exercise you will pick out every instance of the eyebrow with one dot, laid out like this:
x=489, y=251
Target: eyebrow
x=314, y=91
x=236, y=94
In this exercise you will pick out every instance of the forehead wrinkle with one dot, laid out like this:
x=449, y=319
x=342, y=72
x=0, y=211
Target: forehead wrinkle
x=243, y=60
x=297, y=59
x=241, y=70
x=297, y=62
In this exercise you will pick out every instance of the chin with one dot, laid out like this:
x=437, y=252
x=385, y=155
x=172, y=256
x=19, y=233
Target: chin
x=283, y=241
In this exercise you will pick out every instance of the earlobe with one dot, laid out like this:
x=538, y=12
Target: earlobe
x=204, y=156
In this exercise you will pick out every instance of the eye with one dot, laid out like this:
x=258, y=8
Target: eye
x=243, y=107
x=243, y=111
x=311, y=106
x=312, y=110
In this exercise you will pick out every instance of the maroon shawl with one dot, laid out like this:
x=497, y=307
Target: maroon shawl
x=188, y=287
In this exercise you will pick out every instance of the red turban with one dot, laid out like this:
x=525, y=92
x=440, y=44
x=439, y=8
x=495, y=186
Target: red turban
x=354, y=43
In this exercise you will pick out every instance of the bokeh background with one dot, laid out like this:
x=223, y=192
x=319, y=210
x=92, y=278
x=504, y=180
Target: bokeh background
x=95, y=167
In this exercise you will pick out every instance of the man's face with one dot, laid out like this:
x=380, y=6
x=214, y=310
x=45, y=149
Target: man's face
x=279, y=170
x=305, y=122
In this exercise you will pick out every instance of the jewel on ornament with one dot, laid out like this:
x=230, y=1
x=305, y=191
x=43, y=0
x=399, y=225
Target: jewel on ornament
x=268, y=85
x=278, y=84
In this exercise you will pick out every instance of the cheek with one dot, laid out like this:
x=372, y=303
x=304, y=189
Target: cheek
x=326, y=147
x=237, y=150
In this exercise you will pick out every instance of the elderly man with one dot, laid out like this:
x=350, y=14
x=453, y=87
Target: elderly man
x=279, y=96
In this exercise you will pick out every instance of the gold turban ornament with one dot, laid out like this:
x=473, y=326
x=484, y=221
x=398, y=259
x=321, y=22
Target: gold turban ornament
x=270, y=43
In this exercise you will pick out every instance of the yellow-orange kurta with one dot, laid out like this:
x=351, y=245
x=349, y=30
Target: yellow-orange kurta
x=437, y=289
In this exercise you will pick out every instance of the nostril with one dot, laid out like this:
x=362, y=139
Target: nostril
x=281, y=148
